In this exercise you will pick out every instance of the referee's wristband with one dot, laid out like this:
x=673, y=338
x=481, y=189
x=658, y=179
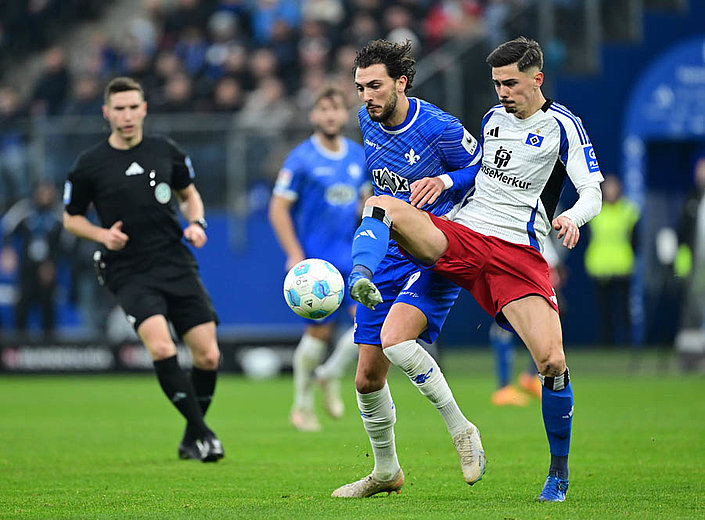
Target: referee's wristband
x=200, y=222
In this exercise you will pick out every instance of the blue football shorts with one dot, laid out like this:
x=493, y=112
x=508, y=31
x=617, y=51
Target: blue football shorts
x=400, y=280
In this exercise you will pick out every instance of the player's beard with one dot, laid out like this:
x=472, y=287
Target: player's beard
x=387, y=110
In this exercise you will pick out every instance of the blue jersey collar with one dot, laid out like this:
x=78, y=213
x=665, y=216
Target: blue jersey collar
x=411, y=115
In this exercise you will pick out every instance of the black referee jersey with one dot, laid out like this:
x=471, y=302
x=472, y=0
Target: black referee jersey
x=135, y=186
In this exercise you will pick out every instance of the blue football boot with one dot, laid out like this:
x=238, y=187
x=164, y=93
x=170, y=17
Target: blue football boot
x=554, y=489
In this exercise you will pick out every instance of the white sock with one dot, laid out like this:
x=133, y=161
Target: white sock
x=344, y=353
x=307, y=355
x=378, y=416
x=425, y=373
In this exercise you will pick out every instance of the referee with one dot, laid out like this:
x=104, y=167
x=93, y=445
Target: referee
x=130, y=179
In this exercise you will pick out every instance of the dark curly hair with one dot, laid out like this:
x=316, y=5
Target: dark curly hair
x=522, y=51
x=397, y=57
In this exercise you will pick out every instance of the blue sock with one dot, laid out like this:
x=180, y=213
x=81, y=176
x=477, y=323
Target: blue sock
x=557, y=408
x=371, y=240
x=502, y=342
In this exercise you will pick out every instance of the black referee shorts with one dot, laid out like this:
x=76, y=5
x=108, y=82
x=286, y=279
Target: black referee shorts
x=182, y=300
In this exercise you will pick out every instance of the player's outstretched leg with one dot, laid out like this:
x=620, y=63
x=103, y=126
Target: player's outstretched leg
x=307, y=356
x=368, y=250
x=557, y=407
x=378, y=416
x=329, y=373
x=426, y=375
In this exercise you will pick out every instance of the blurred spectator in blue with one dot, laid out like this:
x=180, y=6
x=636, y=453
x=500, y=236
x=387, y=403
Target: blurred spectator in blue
x=13, y=149
x=87, y=97
x=266, y=14
x=191, y=49
x=36, y=222
x=51, y=91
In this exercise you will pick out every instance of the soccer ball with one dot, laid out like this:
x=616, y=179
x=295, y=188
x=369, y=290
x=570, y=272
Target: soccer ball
x=314, y=288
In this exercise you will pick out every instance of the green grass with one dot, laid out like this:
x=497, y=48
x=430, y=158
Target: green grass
x=105, y=447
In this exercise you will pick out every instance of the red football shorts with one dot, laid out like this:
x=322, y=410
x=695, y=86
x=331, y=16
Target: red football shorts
x=496, y=272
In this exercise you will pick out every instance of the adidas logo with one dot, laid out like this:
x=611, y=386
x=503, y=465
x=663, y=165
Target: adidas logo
x=134, y=169
x=366, y=233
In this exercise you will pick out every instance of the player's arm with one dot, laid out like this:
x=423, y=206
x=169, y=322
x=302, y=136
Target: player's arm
x=462, y=156
x=577, y=154
x=78, y=194
x=113, y=238
x=283, y=226
x=191, y=206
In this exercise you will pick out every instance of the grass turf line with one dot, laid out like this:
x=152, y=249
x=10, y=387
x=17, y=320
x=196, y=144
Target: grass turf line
x=105, y=447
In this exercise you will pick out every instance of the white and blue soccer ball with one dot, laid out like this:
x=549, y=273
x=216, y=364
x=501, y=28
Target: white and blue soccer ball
x=314, y=288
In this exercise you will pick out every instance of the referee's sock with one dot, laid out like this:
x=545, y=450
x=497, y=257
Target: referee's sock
x=203, y=382
x=371, y=238
x=179, y=391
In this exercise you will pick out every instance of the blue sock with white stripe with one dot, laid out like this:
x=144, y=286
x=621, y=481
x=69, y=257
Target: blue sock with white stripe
x=557, y=409
x=371, y=240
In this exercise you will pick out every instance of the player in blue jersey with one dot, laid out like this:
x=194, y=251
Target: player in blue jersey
x=492, y=245
x=416, y=153
x=314, y=210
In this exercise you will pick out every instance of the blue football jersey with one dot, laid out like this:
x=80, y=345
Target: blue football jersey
x=429, y=143
x=326, y=188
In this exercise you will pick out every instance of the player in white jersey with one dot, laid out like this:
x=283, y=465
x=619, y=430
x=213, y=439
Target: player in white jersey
x=492, y=245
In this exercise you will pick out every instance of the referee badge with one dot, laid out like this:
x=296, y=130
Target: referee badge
x=162, y=193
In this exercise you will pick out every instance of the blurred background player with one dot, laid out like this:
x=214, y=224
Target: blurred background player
x=420, y=154
x=129, y=178
x=314, y=210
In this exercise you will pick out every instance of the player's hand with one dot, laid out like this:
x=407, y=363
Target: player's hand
x=195, y=235
x=567, y=230
x=114, y=238
x=425, y=191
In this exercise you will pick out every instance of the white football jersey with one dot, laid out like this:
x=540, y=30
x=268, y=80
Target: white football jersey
x=524, y=164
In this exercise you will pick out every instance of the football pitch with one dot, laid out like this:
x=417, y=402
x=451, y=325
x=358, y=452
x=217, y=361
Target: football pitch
x=105, y=447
